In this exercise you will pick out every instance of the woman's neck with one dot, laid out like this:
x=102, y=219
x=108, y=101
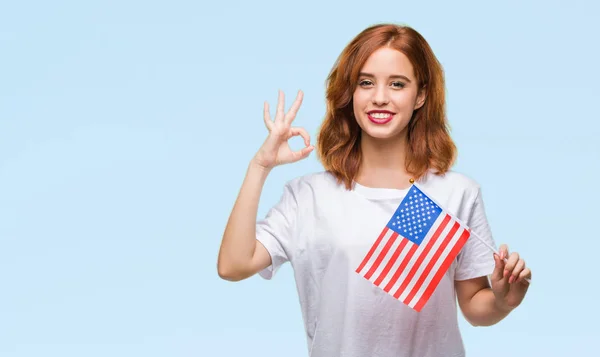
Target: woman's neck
x=383, y=163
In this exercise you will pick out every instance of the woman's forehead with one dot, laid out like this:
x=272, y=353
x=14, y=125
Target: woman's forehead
x=387, y=62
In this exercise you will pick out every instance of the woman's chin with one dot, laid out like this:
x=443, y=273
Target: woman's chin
x=381, y=133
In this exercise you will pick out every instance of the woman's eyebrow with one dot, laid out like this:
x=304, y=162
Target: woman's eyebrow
x=364, y=74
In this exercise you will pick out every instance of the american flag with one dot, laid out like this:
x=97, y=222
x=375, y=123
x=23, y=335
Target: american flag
x=414, y=250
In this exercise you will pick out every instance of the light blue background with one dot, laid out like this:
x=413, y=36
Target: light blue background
x=126, y=129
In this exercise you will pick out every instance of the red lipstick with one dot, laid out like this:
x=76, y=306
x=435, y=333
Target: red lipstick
x=382, y=120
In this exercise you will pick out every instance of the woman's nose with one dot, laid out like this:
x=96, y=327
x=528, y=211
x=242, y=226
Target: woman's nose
x=380, y=96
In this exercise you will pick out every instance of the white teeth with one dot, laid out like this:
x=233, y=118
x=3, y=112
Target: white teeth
x=381, y=115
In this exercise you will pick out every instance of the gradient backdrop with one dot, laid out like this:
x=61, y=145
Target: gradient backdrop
x=126, y=128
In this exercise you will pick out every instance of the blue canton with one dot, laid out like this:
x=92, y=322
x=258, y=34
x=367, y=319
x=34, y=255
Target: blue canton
x=414, y=216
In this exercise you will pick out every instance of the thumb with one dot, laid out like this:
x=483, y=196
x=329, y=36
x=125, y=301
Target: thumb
x=499, y=268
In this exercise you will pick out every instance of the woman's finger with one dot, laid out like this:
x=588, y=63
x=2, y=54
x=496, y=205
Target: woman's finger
x=526, y=273
x=291, y=114
x=295, y=131
x=267, y=116
x=280, y=106
x=499, y=268
x=303, y=153
x=503, y=250
x=512, y=261
x=516, y=271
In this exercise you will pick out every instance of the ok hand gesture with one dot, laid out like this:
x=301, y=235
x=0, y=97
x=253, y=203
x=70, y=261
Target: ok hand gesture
x=276, y=150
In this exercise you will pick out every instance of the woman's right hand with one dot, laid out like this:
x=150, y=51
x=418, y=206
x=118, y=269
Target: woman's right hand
x=276, y=150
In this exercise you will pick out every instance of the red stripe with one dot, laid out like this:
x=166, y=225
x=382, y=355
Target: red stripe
x=422, y=256
x=364, y=262
x=432, y=262
x=443, y=268
x=391, y=262
x=381, y=255
x=400, y=269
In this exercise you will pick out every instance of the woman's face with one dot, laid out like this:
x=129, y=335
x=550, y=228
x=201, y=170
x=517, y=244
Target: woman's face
x=386, y=94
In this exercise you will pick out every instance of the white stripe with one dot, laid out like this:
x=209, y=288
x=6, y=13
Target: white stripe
x=427, y=259
x=403, y=253
x=377, y=251
x=388, y=256
x=415, y=256
x=436, y=267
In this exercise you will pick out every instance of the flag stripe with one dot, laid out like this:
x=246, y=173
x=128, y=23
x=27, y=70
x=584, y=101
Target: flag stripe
x=392, y=261
x=447, y=251
x=375, y=245
x=447, y=230
x=382, y=254
x=438, y=276
x=421, y=256
x=407, y=249
x=401, y=268
x=432, y=261
x=390, y=253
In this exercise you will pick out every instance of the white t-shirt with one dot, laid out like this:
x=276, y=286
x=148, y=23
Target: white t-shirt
x=324, y=231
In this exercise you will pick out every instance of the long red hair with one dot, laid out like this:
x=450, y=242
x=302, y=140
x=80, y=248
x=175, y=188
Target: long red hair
x=429, y=142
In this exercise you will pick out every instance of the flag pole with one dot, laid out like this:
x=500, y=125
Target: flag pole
x=412, y=181
x=493, y=249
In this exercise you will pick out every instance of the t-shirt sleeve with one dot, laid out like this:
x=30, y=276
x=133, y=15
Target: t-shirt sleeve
x=276, y=229
x=476, y=258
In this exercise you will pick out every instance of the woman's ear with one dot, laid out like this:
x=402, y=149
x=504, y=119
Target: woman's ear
x=421, y=97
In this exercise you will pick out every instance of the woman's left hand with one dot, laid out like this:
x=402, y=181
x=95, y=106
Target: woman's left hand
x=508, y=279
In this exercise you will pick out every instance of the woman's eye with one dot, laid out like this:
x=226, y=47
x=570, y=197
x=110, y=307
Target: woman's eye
x=365, y=82
x=398, y=84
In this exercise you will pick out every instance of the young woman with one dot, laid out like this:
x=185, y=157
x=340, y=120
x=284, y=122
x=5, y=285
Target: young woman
x=385, y=127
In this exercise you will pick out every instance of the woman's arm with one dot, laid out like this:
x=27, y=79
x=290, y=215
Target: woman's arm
x=478, y=302
x=241, y=255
